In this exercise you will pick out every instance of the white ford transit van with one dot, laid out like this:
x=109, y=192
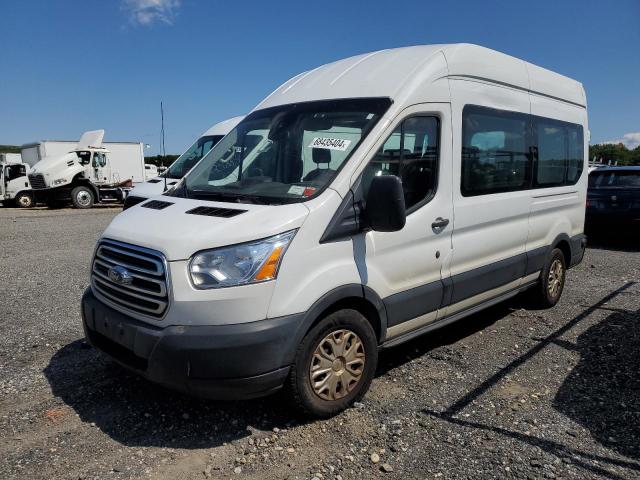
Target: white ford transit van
x=359, y=205
x=182, y=164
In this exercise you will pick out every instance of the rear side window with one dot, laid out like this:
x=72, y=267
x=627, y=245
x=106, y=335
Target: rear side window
x=560, y=153
x=575, y=162
x=495, y=151
x=411, y=152
x=614, y=179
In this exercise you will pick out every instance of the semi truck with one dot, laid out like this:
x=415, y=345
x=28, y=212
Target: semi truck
x=84, y=173
x=14, y=183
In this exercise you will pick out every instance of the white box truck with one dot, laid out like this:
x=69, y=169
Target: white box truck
x=14, y=184
x=84, y=172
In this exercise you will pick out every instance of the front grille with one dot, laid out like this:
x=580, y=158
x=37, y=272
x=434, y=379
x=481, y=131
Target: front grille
x=37, y=181
x=146, y=291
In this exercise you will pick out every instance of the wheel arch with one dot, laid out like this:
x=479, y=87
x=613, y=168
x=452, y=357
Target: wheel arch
x=354, y=296
x=79, y=180
x=563, y=242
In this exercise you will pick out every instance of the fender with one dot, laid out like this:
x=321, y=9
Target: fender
x=334, y=297
x=80, y=180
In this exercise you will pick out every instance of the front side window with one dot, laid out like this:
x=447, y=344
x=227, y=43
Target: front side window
x=284, y=154
x=193, y=155
x=15, y=171
x=411, y=152
x=495, y=151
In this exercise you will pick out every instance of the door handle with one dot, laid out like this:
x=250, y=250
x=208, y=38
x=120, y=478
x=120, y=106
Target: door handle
x=440, y=223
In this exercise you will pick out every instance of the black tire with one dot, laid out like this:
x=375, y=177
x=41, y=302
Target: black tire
x=82, y=197
x=548, y=292
x=345, y=327
x=24, y=200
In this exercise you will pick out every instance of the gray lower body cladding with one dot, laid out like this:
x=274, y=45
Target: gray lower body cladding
x=218, y=361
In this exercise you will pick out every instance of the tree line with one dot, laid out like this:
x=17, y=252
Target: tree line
x=610, y=152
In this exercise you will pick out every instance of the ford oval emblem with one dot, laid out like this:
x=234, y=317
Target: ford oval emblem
x=120, y=275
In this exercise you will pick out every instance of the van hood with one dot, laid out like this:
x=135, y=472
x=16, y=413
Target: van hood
x=178, y=235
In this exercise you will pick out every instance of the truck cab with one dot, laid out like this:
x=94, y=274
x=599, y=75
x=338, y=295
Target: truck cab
x=83, y=176
x=14, y=185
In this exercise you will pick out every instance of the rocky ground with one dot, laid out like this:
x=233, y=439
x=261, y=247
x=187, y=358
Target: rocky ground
x=508, y=393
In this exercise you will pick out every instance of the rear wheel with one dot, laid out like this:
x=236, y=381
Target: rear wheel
x=334, y=364
x=549, y=290
x=24, y=200
x=82, y=197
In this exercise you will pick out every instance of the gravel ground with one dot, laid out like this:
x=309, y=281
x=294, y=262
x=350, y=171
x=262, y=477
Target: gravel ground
x=508, y=393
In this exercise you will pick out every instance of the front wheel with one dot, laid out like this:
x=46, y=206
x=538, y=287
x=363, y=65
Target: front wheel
x=82, y=197
x=549, y=289
x=24, y=200
x=334, y=364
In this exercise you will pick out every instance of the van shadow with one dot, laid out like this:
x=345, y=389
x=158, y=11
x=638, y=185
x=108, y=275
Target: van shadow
x=448, y=335
x=136, y=412
x=602, y=393
x=620, y=239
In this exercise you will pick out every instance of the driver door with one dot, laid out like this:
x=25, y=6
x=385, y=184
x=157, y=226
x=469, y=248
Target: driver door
x=407, y=268
x=100, y=168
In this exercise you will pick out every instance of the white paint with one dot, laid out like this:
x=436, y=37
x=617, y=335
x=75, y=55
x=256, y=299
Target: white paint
x=435, y=80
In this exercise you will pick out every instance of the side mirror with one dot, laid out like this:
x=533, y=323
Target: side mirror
x=385, y=209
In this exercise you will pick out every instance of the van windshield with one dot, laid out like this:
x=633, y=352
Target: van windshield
x=188, y=159
x=283, y=154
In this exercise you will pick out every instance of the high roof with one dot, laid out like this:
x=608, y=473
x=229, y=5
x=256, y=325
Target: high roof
x=223, y=127
x=401, y=72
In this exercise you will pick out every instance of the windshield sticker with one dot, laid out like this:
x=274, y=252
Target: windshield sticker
x=330, y=143
x=308, y=191
x=296, y=190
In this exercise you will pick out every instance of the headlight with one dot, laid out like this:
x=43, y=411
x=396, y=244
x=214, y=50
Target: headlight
x=60, y=181
x=239, y=264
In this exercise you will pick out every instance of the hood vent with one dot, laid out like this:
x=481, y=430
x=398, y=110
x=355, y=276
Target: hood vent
x=215, y=212
x=157, y=204
x=154, y=180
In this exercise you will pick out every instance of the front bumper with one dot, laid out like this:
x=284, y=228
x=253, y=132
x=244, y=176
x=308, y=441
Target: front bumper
x=218, y=361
